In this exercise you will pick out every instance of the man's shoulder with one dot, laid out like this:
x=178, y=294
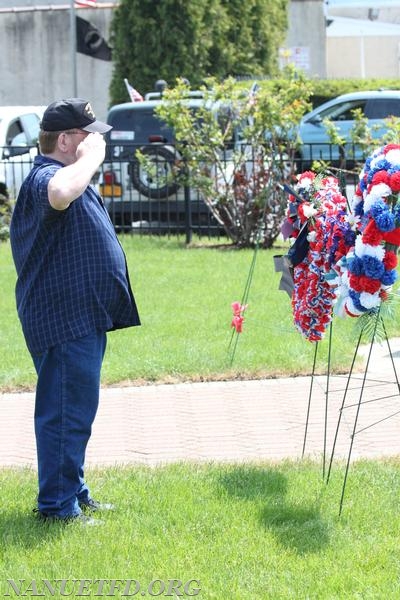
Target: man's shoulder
x=43, y=169
x=43, y=163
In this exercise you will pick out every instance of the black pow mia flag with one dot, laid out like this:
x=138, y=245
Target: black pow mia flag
x=89, y=40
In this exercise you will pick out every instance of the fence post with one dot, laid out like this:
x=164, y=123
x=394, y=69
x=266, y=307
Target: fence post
x=188, y=214
x=188, y=204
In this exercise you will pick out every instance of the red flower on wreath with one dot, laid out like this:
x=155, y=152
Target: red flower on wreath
x=372, y=235
x=394, y=182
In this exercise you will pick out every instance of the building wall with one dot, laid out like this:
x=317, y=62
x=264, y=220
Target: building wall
x=358, y=57
x=37, y=63
x=37, y=58
x=307, y=30
x=367, y=56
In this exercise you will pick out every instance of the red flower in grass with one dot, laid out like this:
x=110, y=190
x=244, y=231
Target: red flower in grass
x=237, y=323
x=238, y=318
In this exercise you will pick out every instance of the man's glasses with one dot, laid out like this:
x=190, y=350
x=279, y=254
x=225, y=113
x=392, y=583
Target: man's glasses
x=78, y=132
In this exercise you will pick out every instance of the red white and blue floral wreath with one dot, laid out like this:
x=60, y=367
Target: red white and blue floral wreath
x=369, y=269
x=318, y=224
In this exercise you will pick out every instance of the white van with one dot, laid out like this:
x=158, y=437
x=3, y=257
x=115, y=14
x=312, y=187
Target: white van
x=19, y=132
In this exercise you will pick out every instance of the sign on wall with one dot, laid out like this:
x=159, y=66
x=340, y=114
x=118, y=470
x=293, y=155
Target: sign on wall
x=299, y=56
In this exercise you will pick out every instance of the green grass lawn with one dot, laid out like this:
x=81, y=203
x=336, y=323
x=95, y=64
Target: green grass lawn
x=184, y=296
x=258, y=531
x=262, y=531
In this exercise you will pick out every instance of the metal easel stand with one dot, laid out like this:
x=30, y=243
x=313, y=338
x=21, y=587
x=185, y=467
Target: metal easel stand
x=235, y=335
x=364, y=380
x=326, y=400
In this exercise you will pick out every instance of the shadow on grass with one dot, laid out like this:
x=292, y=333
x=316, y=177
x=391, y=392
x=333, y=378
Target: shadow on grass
x=250, y=482
x=26, y=531
x=294, y=526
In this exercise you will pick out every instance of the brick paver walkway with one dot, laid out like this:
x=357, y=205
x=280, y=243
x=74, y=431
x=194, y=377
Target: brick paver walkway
x=227, y=421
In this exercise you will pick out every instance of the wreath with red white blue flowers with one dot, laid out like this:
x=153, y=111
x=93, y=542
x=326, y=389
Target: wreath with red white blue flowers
x=344, y=259
x=368, y=272
x=321, y=233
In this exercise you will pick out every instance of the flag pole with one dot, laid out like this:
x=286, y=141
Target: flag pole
x=73, y=48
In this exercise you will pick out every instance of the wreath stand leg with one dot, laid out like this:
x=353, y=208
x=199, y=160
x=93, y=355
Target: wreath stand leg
x=326, y=400
x=342, y=405
x=391, y=355
x=309, y=399
x=354, y=432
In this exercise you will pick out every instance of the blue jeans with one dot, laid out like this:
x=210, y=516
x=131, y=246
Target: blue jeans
x=67, y=397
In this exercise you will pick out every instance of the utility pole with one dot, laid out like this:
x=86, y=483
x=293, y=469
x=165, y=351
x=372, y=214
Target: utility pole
x=72, y=21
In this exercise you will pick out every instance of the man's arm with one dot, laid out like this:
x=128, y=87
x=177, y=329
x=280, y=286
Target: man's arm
x=71, y=181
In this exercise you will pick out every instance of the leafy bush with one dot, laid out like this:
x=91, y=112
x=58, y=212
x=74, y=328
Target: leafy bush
x=5, y=216
x=238, y=149
x=177, y=38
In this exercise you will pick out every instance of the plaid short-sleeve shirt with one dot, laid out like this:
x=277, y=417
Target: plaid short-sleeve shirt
x=72, y=273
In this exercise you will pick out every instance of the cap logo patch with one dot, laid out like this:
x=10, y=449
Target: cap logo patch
x=89, y=111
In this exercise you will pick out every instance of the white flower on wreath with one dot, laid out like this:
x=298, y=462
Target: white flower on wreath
x=349, y=304
x=309, y=210
x=305, y=183
x=362, y=249
x=370, y=300
x=381, y=190
x=393, y=156
x=376, y=157
x=353, y=221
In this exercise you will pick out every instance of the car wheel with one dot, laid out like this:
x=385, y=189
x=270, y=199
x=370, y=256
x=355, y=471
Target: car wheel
x=156, y=177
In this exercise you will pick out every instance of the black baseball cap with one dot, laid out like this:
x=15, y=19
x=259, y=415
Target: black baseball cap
x=73, y=113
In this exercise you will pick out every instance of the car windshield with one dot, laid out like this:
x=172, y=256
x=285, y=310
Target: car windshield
x=342, y=111
x=383, y=108
x=138, y=125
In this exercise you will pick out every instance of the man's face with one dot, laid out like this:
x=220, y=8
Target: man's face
x=72, y=139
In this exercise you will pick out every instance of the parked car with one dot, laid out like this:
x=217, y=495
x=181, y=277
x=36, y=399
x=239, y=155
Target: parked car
x=148, y=196
x=376, y=106
x=19, y=131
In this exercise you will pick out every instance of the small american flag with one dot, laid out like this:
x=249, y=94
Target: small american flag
x=86, y=2
x=134, y=95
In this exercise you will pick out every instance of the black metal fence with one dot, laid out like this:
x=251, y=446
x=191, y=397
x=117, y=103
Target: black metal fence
x=180, y=210
x=140, y=202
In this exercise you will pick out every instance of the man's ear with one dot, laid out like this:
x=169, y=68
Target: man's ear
x=62, y=142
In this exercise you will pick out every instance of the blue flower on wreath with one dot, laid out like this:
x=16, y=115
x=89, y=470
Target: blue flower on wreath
x=396, y=214
x=389, y=277
x=372, y=267
x=385, y=221
x=355, y=265
x=359, y=209
x=368, y=163
x=363, y=185
x=355, y=296
x=381, y=165
x=378, y=208
x=349, y=237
